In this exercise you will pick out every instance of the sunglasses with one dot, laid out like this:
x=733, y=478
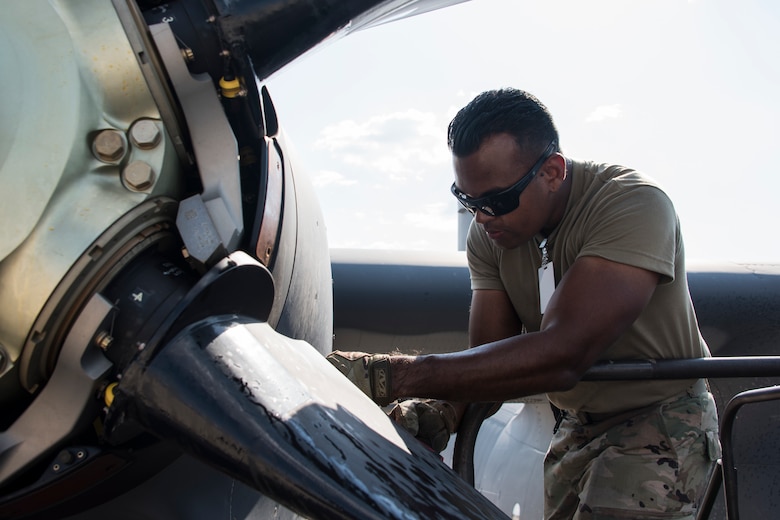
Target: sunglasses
x=507, y=200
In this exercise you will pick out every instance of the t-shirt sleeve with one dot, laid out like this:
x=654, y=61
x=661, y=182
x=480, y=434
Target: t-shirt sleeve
x=483, y=260
x=636, y=226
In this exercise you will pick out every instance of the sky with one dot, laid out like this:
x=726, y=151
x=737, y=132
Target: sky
x=683, y=90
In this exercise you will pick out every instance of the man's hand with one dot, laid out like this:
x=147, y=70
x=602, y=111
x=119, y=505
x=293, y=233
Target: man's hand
x=430, y=421
x=369, y=372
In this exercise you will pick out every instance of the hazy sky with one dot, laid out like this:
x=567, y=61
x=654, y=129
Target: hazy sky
x=686, y=91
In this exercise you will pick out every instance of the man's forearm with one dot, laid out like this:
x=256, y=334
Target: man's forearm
x=498, y=371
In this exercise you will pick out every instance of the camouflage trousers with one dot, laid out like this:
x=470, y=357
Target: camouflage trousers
x=649, y=463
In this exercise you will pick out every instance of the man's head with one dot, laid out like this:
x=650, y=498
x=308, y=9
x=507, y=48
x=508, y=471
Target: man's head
x=508, y=171
x=506, y=111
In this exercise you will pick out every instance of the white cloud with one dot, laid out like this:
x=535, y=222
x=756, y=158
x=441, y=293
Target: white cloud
x=439, y=217
x=329, y=177
x=603, y=112
x=397, y=144
x=403, y=170
x=719, y=56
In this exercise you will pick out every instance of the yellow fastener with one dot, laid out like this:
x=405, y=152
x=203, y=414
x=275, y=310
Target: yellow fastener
x=230, y=87
x=108, y=396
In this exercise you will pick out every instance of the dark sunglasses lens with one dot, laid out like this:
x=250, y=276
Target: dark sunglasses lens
x=494, y=206
x=502, y=204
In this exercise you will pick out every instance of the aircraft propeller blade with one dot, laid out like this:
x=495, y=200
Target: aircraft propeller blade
x=272, y=412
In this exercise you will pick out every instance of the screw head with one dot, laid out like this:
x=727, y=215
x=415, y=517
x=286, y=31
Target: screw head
x=138, y=175
x=188, y=55
x=104, y=340
x=145, y=134
x=108, y=146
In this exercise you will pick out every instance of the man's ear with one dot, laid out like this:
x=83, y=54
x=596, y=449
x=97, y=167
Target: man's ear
x=554, y=171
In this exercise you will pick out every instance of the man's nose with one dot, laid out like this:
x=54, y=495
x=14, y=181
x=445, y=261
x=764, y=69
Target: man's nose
x=482, y=217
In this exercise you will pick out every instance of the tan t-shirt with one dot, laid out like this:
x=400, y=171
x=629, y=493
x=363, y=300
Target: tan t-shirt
x=621, y=215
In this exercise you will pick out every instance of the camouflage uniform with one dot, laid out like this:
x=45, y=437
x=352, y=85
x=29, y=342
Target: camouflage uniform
x=649, y=463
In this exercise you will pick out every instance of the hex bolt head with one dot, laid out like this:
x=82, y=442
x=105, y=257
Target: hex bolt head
x=188, y=55
x=145, y=134
x=104, y=340
x=109, y=146
x=138, y=176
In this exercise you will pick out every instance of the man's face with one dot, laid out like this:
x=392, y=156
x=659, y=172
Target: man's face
x=495, y=166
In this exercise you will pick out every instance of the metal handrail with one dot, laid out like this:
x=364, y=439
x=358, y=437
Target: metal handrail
x=711, y=368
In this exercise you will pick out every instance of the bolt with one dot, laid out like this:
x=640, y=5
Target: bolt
x=138, y=176
x=103, y=340
x=188, y=55
x=145, y=134
x=108, y=146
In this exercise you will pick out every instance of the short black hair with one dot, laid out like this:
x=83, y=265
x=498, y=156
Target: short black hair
x=506, y=110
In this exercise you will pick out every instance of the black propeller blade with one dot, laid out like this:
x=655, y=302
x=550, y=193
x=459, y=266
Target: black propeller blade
x=273, y=413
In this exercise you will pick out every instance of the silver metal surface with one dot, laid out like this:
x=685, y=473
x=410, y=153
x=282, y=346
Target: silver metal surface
x=60, y=193
x=214, y=144
x=66, y=401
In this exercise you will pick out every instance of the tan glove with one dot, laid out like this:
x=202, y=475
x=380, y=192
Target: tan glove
x=369, y=372
x=429, y=420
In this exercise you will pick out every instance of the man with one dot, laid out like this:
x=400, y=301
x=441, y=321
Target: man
x=571, y=262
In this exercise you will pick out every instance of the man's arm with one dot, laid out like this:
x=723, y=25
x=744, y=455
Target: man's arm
x=491, y=317
x=595, y=302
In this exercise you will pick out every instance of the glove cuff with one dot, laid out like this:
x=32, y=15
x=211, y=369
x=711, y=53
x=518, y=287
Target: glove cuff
x=379, y=376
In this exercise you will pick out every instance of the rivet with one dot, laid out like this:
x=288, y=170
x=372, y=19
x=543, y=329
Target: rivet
x=64, y=457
